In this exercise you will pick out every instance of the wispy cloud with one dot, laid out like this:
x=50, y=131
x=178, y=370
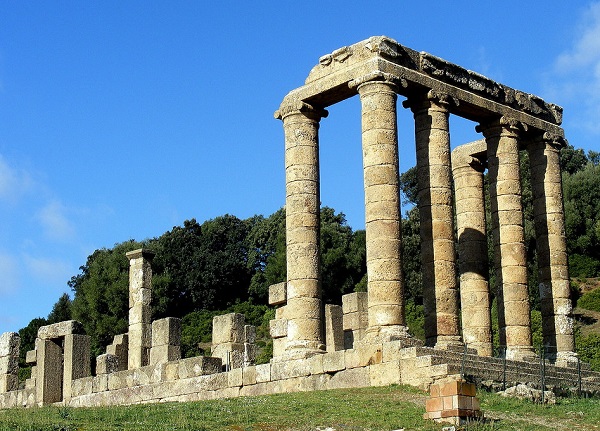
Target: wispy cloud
x=49, y=270
x=13, y=182
x=576, y=73
x=55, y=222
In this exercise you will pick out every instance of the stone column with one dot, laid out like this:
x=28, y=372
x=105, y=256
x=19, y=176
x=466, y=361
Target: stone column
x=467, y=171
x=557, y=316
x=140, y=311
x=304, y=309
x=9, y=361
x=502, y=137
x=382, y=208
x=166, y=340
x=434, y=181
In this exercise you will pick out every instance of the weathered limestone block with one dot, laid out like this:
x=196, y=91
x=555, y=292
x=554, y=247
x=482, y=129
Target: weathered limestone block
x=334, y=328
x=278, y=294
x=228, y=328
x=49, y=369
x=164, y=354
x=352, y=378
x=355, y=317
x=233, y=340
x=76, y=358
x=198, y=366
x=31, y=357
x=334, y=361
x=9, y=361
x=119, y=348
x=166, y=339
x=107, y=363
x=60, y=329
x=166, y=331
x=8, y=382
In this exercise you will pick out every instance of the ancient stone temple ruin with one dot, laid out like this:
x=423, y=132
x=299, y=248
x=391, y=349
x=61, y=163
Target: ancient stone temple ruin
x=365, y=340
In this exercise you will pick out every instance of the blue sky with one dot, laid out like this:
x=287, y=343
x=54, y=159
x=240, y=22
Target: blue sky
x=120, y=120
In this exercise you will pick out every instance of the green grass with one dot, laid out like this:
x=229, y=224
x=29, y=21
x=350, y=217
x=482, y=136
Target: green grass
x=387, y=408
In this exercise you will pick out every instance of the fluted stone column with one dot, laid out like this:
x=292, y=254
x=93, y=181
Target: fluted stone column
x=502, y=137
x=434, y=181
x=382, y=209
x=140, y=311
x=304, y=309
x=557, y=312
x=467, y=171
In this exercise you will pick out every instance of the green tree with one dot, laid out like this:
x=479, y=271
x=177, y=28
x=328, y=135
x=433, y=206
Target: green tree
x=582, y=220
x=61, y=310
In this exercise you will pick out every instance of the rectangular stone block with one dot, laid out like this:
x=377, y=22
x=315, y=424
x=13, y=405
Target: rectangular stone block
x=353, y=378
x=278, y=293
x=198, y=366
x=250, y=334
x=249, y=375
x=119, y=348
x=228, y=328
x=49, y=372
x=31, y=357
x=8, y=382
x=288, y=369
x=354, y=302
x=263, y=373
x=164, y=353
x=355, y=321
x=278, y=328
x=100, y=383
x=235, y=377
x=58, y=330
x=279, y=346
x=334, y=331
x=76, y=359
x=385, y=374
x=334, y=361
x=106, y=364
x=140, y=314
x=9, y=344
x=166, y=331
x=231, y=354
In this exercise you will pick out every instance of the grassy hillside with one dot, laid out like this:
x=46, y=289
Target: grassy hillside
x=388, y=408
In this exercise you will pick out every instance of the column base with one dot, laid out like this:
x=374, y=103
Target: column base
x=383, y=334
x=566, y=359
x=300, y=349
x=521, y=353
x=449, y=342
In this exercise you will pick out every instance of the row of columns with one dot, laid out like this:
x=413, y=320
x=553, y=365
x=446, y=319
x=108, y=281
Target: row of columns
x=435, y=173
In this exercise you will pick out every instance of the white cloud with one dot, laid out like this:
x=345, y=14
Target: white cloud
x=575, y=78
x=13, y=182
x=55, y=223
x=10, y=273
x=48, y=270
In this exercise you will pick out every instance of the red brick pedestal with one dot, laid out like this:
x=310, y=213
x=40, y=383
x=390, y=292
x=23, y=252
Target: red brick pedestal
x=452, y=402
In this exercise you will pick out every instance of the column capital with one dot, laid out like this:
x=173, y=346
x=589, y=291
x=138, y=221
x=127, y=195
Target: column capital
x=295, y=106
x=140, y=253
x=477, y=164
x=432, y=99
x=382, y=77
x=504, y=124
x=553, y=141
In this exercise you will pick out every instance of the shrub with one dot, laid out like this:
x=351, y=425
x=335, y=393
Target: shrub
x=590, y=300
